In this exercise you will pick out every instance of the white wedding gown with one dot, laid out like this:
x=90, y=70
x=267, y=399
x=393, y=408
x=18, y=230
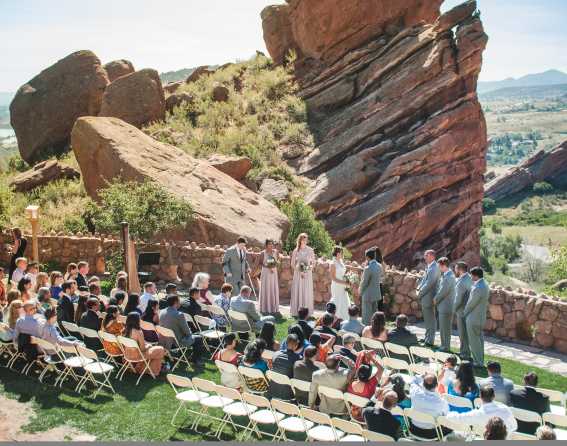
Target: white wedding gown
x=339, y=295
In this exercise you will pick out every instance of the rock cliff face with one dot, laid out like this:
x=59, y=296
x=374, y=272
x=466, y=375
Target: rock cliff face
x=543, y=166
x=390, y=88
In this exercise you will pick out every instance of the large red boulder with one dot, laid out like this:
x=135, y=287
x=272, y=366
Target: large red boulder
x=118, y=68
x=45, y=108
x=136, y=98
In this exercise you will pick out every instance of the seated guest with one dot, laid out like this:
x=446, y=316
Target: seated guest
x=223, y=301
x=151, y=315
x=82, y=271
x=326, y=325
x=25, y=289
x=303, y=370
x=170, y=289
x=243, y=304
x=331, y=309
x=230, y=355
x=111, y=325
x=302, y=342
x=150, y=293
x=464, y=385
x=353, y=325
x=253, y=359
x=152, y=354
x=381, y=420
x=190, y=305
x=201, y=282
x=95, y=292
x=20, y=271
x=31, y=273
x=41, y=281
x=502, y=386
x=65, y=308
x=365, y=382
x=283, y=363
x=377, y=328
x=448, y=373
x=347, y=349
x=334, y=377
x=306, y=326
x=50, y=331
x=29, y=324
x=43, y=299
x=120, y=286
x=495, y=429
x=118, y=301
x=81, y=308
x=529, y=398
x=267, y=334
x=90, y=318
x=488, y=409
x=323, y=348
x=173, y=319
x=71, y=271
x=401, y=335
x=132, y=304
x=546, y=433
x=425, y=398
x=56, y=282
x=15, y=311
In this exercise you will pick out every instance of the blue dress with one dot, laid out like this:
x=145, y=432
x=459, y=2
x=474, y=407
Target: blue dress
x=470, y=395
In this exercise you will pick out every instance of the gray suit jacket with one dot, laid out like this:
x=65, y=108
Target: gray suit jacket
x=445, y=295
x=246, y=306
x=233, y=264
x=370, y=282
x=428, y=285
x=175, y=321
x=475, y=310
x=464, y=285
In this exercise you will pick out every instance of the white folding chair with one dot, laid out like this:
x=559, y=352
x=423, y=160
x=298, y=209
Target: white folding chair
x=352, y=431
x=332, y=394
x=280, y=379
x=209, y=334
x=250, y=374
x=242, y=320
x=397, y=350
x=420, y=369
x=371, y=436
x=355, y=401
x=211, y=401
x=292, y=422
x=131, y=363
x=121, y=318
x=399, y=365
x=323, y=429
x=458, y=427
x=217, y=311
x=527, y=416
x=441, y=357
x=111, y=356
x=72, y=362
x=51, y=358
x=356, y=336
x=148, y=326
x=94, y=370
x=301, y=387
x=413, y=415
x=518, y=436
x=185, y=393
x=177, y=351
x=422, y=353
x=265, y=415
x=91, y=336
x=555, y=396
x=559, y=422
x=236, y=409
x=477, y=403
x=71, y=329
x=268, y=356
x=6, y=347
x=373, y=344
x=229, y=374
x=458, y=401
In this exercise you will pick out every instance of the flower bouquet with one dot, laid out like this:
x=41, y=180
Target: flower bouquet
x=353, y=280
x=304, y=267
x=271, y=263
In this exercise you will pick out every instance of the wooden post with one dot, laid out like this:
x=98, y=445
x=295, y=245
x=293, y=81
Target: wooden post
x=32, y=213
x=129, y=259
x=125, y=247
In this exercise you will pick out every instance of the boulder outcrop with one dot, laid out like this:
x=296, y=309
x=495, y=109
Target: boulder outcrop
x=109, y=148
x=176, y=99
x=543, y=166
x=390, y=88
x=41, y=174
x=44, y=109
x=118, y=68
x=234, y=166
x=136, y=98
x=198, y=73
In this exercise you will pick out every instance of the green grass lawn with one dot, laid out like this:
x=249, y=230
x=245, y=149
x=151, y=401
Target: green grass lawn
x=144, y=412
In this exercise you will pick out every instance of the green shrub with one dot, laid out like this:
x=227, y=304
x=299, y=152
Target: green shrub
x=558, y=269
x=5, y=203
x=488, y=205
x=543, y=188
x=147, y=207
x=496, y=228
x=302, y=219
x=497, y=252
x=17, y=164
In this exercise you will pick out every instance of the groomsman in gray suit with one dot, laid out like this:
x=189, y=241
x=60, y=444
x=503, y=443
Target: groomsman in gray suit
x=235, y=265
x=426, y=290
x=369, y=288
x=475, y=315
x=464, y=285
x=443, y=301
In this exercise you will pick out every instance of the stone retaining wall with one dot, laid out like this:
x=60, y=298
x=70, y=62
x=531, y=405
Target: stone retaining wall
x=519, y=315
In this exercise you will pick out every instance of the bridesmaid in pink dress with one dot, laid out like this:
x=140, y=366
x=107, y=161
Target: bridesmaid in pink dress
x=302, y=262
x=269, y=286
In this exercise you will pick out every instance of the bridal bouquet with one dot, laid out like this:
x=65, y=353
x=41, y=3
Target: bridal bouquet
x=353, y=280
x=304, y=267
x=271, y=263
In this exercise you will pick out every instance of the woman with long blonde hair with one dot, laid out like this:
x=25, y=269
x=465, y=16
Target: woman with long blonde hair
x=302, y=262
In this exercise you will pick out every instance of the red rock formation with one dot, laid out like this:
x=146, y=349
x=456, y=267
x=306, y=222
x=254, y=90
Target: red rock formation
x=400, y=135
x=543, y=166
x=42, y=174
x=118, y=68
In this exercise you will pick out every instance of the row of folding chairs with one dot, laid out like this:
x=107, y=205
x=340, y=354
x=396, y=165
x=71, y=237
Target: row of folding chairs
x=258, y=412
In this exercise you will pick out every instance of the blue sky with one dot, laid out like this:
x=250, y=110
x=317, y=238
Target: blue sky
x=526, y=36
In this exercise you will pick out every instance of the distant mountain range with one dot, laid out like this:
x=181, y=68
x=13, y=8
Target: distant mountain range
x=550, y=77
x=526, y=93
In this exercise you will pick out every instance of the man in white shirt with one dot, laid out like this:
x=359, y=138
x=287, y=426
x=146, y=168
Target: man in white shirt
x=149, y=294
x=486, y=411
x=426, y=399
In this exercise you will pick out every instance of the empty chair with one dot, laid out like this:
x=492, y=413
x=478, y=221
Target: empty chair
x=264, y=416
x=211, y=401
x=293, y=422
x=352, y=431
x=237, y=409
x=413, y=415
x=229, y=374
x=420, y=369
x=458, y=427
x=323, y=429
x=422, y=354
x=185, y=393
x=398, y=351
x=375, y=436
x=72, y=329
x=518, y=436
x=560, y=423
x=210, y=335
x=96, y=372
x=282, y=380
x=555, y=396
x=72, y=363
x=51, y=358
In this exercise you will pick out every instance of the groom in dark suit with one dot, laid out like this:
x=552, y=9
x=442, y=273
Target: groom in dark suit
x=369, y=288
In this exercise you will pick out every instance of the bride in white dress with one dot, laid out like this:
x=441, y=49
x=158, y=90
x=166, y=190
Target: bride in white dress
x=339, y=295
